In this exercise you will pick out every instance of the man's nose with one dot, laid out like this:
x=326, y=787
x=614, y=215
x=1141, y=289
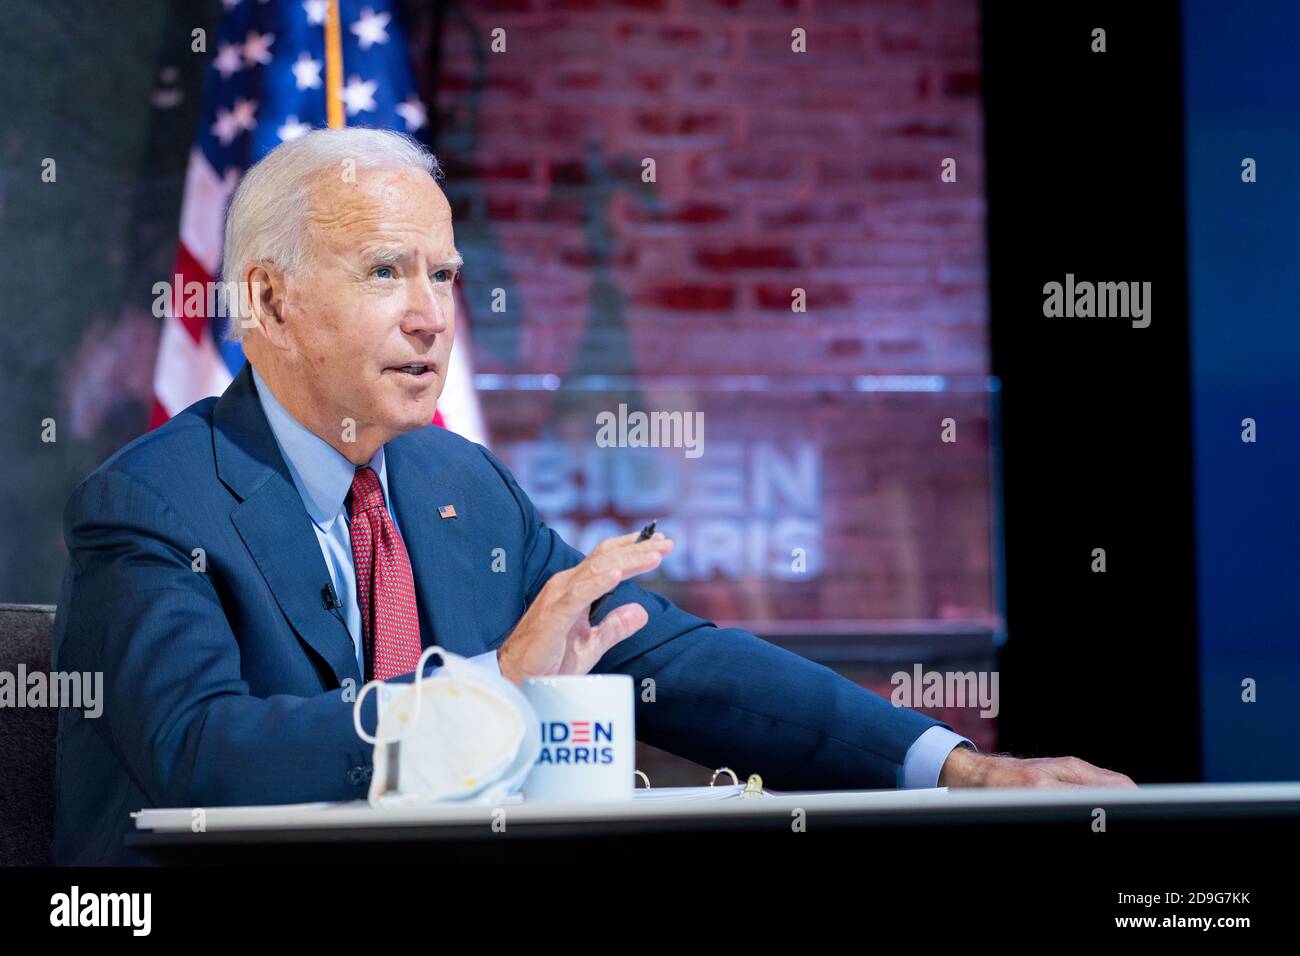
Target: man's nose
x=428, y=306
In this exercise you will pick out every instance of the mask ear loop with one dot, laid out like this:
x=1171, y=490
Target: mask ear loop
x=419, y=688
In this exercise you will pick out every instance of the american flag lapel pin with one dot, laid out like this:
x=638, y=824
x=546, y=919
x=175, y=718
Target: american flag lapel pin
x=446, y=511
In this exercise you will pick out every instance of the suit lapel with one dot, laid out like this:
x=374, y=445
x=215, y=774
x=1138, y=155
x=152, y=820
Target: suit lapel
x=274, y=525
x=442, y=550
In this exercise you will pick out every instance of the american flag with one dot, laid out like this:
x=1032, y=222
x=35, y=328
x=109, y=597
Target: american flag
x=280, y=68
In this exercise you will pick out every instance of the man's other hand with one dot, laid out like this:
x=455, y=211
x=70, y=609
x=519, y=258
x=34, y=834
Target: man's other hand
x=553, y=636
x=966, y=768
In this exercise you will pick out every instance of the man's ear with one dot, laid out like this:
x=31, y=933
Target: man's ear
x=264, y=290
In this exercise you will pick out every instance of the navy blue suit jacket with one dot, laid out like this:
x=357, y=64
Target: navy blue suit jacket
x=232, y=685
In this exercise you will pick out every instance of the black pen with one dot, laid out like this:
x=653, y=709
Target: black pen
x=646, y=534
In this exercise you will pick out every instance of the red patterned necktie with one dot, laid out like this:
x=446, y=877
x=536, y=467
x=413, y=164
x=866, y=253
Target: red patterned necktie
x=390, y=623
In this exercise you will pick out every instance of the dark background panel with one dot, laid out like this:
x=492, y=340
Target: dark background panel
x=1085, y=176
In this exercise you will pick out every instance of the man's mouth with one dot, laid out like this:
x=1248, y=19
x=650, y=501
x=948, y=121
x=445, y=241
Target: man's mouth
x=417, y=370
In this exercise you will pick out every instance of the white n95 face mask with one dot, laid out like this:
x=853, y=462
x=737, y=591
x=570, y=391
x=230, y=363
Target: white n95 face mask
x=462, y=735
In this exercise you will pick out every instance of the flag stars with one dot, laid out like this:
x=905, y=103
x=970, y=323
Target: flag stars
x=291, y=129
x=307, y=72
x=413, y=112
x=370, y=28
x=226, y=128
x=359, y=95
x=228, y=61
x=257, y=47
x=316, y=10
x=244, y=113
x=230, y=123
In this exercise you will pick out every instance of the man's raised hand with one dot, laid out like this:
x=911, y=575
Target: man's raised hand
x=553, y=636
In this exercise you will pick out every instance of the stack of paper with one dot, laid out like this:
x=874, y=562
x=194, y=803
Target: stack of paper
x=720, y=792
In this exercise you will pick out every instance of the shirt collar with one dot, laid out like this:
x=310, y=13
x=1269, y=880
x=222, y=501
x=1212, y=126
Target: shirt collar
x=321, y=474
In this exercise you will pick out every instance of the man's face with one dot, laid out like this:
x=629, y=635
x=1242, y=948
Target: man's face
x=374, y=296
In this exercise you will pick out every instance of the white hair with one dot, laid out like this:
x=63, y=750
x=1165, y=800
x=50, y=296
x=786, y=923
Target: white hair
x=266, y=217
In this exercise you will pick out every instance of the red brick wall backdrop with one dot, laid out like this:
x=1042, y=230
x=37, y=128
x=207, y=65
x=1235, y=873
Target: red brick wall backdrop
x=774, y=170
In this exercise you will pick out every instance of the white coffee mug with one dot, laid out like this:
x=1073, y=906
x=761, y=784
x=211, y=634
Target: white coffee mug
x=588, y=738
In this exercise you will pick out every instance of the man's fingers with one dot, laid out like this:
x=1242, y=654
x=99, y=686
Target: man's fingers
x=573, y=591
x=618, y=541
x=1109, y=778
x=590, y=583
x=619, y=624
x=634, y=559
x=582, y=588
x=601, y=573
x=1081, y=773
x=1089, y=776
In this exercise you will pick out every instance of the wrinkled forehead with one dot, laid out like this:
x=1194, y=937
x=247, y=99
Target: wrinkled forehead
x=349, y=205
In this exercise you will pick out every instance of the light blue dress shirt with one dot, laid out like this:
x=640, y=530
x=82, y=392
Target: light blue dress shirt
x=323, y=478
x=925, y=758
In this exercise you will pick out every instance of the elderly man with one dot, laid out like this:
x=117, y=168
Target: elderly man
x=223, y=573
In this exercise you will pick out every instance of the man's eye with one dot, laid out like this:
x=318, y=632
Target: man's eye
x=443, y=275
x=382, y=269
